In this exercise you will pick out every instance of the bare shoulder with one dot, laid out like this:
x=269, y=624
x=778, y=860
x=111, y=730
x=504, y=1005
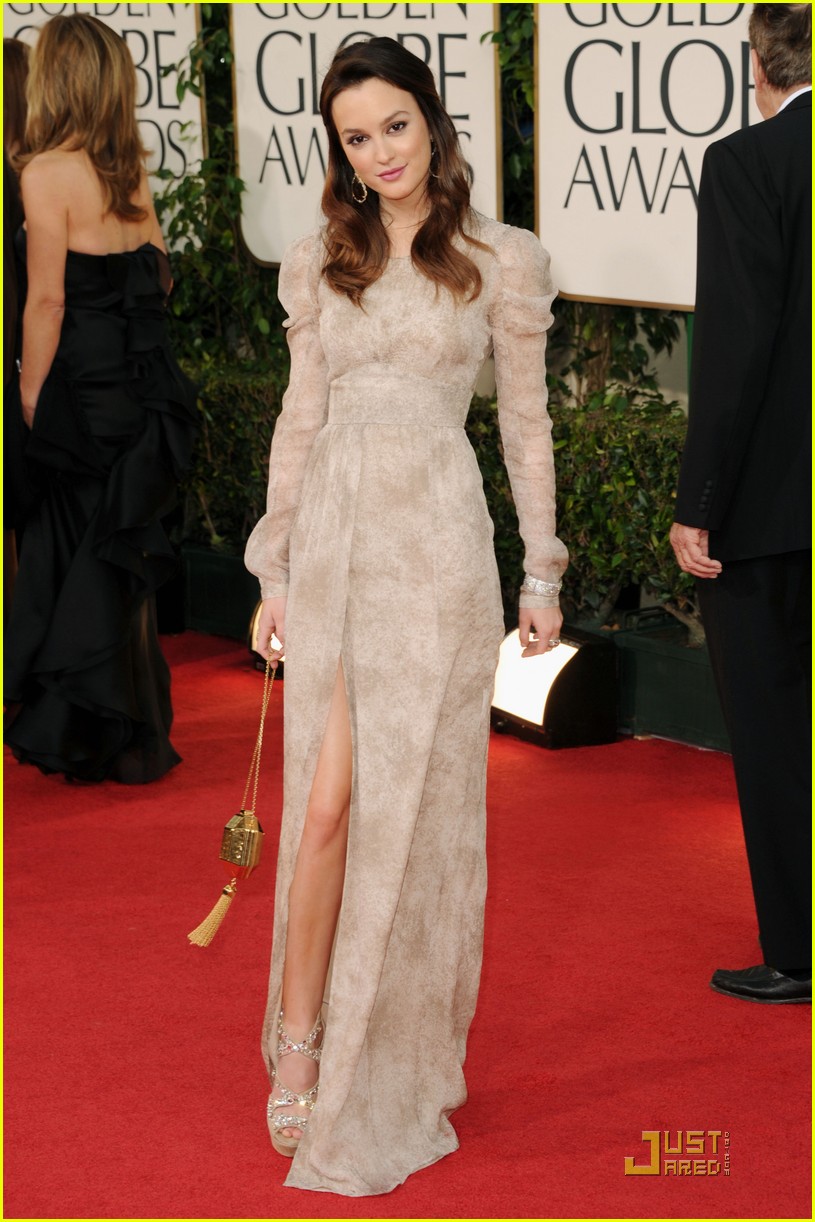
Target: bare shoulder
x=54, y=179
x=55, y=164
x=39, y=171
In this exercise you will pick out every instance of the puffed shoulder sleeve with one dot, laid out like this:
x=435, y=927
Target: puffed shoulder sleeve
x=520, y=314
x=303, y=414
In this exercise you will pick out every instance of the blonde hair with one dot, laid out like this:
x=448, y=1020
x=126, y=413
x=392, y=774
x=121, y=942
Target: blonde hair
x=15, y=71
x=82, y=95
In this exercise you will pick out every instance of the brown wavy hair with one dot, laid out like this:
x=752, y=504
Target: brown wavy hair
x=356, y=240
x=82, y=95
x=15, y=71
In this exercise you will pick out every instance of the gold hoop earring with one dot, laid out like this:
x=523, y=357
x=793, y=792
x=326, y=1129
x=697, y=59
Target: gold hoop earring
x=358, y=199
x=433, y=152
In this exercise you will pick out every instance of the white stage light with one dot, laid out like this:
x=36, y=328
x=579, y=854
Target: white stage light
x=523, y=684
x=564, y=698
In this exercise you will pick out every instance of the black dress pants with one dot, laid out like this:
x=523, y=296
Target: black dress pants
x=757, y=617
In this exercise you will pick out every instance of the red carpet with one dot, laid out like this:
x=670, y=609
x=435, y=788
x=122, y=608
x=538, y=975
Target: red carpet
x=134, y=1085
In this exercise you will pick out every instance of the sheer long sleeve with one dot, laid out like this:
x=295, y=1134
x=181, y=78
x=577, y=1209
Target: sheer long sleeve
x=303, y=414
x=519, y=318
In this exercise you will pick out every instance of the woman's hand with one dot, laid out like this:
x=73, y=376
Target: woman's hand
x=545, y=622
x=272, y=620
x=29, y=406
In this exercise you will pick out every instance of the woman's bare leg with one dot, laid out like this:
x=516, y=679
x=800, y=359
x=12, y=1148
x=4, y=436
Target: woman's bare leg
x=316, y=891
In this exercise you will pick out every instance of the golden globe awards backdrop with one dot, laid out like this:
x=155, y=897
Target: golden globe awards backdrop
x=629, y=97
x=282, y=52
x=159, y=36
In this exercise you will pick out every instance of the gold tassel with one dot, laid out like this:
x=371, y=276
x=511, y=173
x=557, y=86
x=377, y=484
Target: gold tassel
x=203, y=934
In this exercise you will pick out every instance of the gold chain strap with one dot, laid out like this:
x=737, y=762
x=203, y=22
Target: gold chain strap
x=254, y=767
x=243, y=834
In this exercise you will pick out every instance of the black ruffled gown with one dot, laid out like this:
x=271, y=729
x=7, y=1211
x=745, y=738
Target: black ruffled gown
x=86, y=686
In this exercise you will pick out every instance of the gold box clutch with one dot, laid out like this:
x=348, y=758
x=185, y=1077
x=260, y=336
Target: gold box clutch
x=242, y=842
x=242, y=837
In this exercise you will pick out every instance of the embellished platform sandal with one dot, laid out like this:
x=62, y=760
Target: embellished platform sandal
x=283, y=1097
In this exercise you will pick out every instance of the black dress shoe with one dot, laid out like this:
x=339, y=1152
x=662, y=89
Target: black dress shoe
x=762, y=983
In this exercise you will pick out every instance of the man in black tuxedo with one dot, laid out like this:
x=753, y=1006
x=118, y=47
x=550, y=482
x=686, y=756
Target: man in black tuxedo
x=742, y=521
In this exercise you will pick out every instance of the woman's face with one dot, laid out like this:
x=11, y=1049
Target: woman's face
x=385, y=138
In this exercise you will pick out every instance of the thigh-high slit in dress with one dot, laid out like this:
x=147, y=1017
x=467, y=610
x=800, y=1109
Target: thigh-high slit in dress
x=377, y=530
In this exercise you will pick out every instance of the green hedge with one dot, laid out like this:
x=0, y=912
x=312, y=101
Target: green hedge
x=617, y=460
x=617, y=467
x=225, y=493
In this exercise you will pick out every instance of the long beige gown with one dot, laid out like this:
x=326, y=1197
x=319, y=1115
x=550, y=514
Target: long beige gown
x=378, y=530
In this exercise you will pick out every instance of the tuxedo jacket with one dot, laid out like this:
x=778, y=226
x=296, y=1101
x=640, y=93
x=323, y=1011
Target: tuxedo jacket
x=745, y=472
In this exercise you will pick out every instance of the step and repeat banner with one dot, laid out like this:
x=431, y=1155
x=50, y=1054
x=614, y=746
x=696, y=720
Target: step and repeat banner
x=629, y=97
x=282, y=52
x=158, y=36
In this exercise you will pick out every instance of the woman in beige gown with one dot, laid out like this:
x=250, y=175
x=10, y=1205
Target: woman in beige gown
x=377, y=570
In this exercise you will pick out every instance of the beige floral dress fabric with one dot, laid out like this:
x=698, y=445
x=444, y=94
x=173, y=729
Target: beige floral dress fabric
x=378, y=531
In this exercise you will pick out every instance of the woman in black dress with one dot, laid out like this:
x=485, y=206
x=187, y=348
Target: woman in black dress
x=112, y=425
x=15, y=71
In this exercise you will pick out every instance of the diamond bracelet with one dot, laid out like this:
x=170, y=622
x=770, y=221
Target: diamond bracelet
x=549, y=589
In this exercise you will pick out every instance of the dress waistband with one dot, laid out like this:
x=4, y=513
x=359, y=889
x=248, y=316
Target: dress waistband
x=402, y=399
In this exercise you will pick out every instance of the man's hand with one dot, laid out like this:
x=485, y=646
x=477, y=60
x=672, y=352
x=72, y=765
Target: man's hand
x=690, y=544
